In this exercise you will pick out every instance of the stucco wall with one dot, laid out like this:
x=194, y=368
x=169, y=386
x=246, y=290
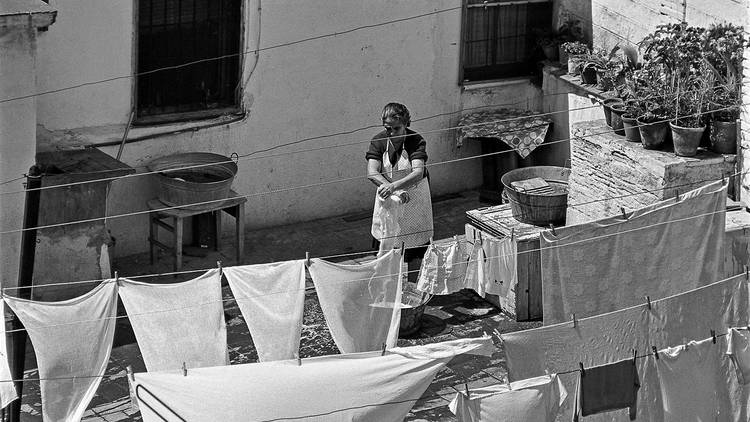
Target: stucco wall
x=17, y=137
x=314, y=88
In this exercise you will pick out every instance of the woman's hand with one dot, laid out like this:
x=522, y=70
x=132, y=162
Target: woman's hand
x=385, y=190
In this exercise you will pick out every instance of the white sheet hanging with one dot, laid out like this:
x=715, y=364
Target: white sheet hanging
x=364, y=387
x=361, y=302
x=611, y=337
x=71, y=338
x=535, y=399
x=271, y=298
x=7, y=389
x=443, y=268
x=178, y=322
x=663, y=249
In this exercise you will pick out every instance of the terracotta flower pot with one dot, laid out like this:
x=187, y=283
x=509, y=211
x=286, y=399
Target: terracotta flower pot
x=607, y=106
x=574, y=65
x=588, y=75
x=618, y=109
x=550, y=52
x=630, y=126
x=652, y=134
x=723, y=137
x=686, y=139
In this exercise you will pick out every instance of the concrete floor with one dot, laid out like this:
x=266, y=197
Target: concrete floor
x=460, y=315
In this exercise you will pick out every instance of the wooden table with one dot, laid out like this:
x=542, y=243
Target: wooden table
x=234, y=205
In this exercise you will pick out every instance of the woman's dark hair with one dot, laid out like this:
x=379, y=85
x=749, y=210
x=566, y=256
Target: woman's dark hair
x=398, y=112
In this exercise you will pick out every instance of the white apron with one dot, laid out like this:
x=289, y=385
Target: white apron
x=415, y=225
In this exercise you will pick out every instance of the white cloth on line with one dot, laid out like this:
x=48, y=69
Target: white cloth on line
x=738, y=349
x=355, y=387
x=662, y=249
x=492, y=268
x=271, y=298
x=611, y=337
x=443, y=268
x=535, y=399
x=386, y=215
x=7, y=389
x=71, y=338
x=178, y=322
x=361, y=302
x=693, y=384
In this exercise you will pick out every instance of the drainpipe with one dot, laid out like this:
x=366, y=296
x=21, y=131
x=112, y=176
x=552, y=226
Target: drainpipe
x=26, y=270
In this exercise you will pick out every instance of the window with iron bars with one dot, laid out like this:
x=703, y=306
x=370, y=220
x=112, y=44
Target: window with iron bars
x=498, y=37
x=198, y=41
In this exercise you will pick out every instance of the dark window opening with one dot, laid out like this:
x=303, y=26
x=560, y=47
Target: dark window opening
x=498, y=38
x=176, y=33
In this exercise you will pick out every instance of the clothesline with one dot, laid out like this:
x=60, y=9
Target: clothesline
x=250, y=156
x=4, y=289
x=317, y=184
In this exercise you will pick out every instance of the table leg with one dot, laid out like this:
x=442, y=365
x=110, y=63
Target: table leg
x=152, y=233
x=177, y=243
x=240, y=232
x=217, y=221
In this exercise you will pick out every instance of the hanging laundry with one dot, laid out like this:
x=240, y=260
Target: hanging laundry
x=607, y=338
x=608, y=387
x=738, y=349
x=386, y=215
x=693, y=386
x=360, y=387
x=443, y=268
x=492, y=268
x=271, y=298
x=535, y=399
x=72, y=340
x=178, y=322
x=7, y=389
x=663, y=249
x=361, y=302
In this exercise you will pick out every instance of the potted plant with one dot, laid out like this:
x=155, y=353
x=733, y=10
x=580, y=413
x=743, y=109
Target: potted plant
x=690, y=100
x=549, y=40
x=575, y=52
x=629, y=124
x=651, y=99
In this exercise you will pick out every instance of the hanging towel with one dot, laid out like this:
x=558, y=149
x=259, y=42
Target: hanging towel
x=386, y=215
x=271, y=298
x=361, y=302
x=611, y=337
x=608, y=387
x=178, y=322
x=7, y=389
x=738, y=348
x=71, y=338
x=692, y=385
x=535, y=399
x=663, y=249
x=492, y=268
x=365, y=387
x=444, y=268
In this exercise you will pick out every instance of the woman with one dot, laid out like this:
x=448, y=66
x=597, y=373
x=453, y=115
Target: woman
x=396, y=165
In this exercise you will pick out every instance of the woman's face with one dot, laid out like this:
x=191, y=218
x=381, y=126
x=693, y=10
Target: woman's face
x=394, y=127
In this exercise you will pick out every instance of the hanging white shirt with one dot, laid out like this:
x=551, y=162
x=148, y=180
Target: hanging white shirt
x=271, y=298
x=363, y=387
x=443, y=268
x=178, y=322
x=72, y=340
x=361, y=302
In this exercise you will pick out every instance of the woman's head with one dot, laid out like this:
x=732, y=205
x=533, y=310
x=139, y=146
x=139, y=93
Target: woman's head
x=396, y=118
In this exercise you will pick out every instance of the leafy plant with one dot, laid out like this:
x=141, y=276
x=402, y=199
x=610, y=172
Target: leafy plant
x=569, y=30
x=575, y=48
x=725, y=98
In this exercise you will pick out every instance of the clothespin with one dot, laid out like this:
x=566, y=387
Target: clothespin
x=583, y=371
x=184, y=369
x=713, y=336
x=117, y=276
x=455, y=238
x=218, y=264
x=512, y=234
x=656, y=353
x=685, y=343
x=382, y=353
x=299, y=359
x=129, y=369
x=648, y=302
x=552, y=227
x=747, y=273
x=403, y=250
x=635, y=355
x=307, y=258
x=624, y=214
x=466, y=387
x=575, y=321
x=480, y=237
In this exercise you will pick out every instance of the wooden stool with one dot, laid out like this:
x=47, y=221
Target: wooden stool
x=234, y=205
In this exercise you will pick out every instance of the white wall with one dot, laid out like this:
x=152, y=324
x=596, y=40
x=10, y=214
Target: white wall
x=17, y=138
x=309, y=89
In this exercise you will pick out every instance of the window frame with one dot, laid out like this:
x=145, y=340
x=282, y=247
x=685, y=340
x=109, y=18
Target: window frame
x=195, y=115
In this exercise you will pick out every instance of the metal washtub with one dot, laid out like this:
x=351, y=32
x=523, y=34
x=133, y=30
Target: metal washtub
x=542, y=206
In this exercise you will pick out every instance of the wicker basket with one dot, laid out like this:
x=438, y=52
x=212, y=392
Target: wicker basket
x=193, y=177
